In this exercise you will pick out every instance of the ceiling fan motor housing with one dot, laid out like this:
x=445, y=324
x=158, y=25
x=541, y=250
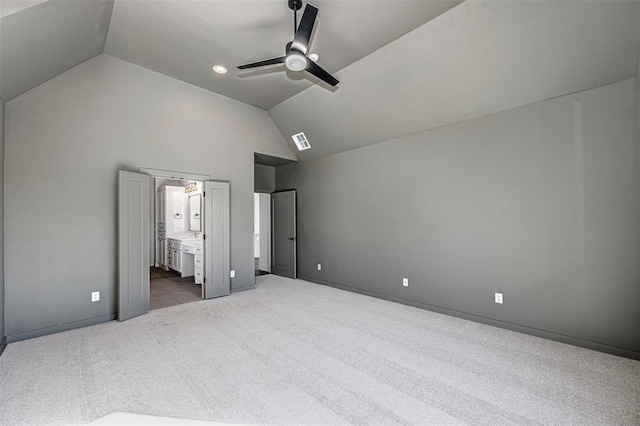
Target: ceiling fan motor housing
x=295, y=4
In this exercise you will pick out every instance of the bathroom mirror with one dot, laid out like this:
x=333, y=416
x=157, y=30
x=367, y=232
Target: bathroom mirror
x=195, y=213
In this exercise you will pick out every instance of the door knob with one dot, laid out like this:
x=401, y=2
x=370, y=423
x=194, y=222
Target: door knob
x=292, y=238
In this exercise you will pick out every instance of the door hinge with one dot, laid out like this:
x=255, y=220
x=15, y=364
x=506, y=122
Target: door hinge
x=204, y=280
x=204, y=237
x=204, y=194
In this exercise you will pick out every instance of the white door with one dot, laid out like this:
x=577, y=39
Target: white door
x=264, y=264
x=217, y=264
x=133, y=244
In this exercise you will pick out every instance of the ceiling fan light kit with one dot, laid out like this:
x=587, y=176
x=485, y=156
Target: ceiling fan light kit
x=295, y=58
x=296, y=61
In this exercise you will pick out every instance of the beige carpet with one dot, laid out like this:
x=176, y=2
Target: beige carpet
x=292, y=352
x=129, y=419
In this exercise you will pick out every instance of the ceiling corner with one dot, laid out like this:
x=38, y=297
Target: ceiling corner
x=109, y=15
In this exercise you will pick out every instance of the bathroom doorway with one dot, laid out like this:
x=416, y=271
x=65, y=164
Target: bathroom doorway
x=144, y=239
x=177, y=261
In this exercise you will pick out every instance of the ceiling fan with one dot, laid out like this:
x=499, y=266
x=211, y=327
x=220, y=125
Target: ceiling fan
x=295, y=58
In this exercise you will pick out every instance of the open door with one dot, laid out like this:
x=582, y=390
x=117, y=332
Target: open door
x=283, y=233
x=217, y=263
x=133, y=244
x=264, y=263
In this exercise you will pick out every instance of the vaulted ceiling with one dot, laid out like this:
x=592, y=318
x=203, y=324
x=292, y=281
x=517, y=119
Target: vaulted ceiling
x=184, y=39
x=404, y=66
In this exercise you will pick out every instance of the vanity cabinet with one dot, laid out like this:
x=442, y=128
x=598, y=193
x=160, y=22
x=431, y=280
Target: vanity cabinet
x=174, y=251
x=180, y=257
x=162, y=252
x=198, y=264
x=162, y=206
x=188, y=252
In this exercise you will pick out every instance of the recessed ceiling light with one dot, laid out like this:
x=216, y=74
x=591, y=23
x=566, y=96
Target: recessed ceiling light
x=220, y=69
x=314, y=57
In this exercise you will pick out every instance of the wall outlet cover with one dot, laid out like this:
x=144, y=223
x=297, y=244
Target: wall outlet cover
x=498, y=298
x=95, y=296
x=319, y=267
x=405, y=282
x=232, y=274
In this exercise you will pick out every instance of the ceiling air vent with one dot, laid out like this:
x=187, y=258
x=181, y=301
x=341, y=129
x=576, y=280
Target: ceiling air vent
x=301, y=141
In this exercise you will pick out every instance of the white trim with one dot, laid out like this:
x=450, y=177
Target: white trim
x=169, y=174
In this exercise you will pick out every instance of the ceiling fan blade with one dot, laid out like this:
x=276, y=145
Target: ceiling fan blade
x=271, y=61
x=303, y=33
x=316, y=70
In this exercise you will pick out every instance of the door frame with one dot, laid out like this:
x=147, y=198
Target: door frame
x=148, y=213
x=268, y=233
x=166, y=174
x=220, y=285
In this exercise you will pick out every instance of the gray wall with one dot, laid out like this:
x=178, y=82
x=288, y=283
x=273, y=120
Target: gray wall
x=264, y=178
x=2, y=328
x=538, y=202
x=65, y=141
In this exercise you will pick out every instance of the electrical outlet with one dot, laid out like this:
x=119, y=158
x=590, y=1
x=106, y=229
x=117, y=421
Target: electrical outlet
x=319, y=267
x=405, y=282
x=498, y=298
x=95, y=296
x=232, y=274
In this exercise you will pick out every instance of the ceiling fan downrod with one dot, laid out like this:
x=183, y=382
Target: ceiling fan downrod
x=295, y=5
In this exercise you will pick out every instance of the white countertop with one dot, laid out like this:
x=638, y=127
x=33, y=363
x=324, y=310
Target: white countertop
x=186, y=238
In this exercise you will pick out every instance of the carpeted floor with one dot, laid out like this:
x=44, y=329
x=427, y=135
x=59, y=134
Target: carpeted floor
x=292, y=352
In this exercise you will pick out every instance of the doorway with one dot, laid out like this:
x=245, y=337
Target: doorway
x=262, y=233
x=274, y=240
x=177, y=261
x=140, y=235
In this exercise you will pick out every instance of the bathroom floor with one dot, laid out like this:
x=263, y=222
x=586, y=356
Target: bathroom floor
x=169, y=289
x=257, y=269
